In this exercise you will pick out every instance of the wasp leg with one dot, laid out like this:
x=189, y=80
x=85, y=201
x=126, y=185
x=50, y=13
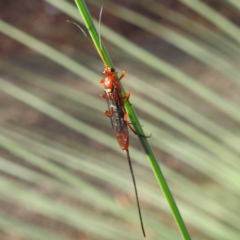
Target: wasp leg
x=107, y=113
x=122, y=75
x=127, y=96
x=129, y=125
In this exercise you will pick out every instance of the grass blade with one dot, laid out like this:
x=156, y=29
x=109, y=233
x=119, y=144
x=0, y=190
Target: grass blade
x=158, y=174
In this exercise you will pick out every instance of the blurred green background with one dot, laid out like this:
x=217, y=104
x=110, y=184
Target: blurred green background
x=62, y=174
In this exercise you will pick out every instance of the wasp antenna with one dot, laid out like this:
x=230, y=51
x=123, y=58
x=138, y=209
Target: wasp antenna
x=105, y=64
x=136, y=193
x=100, y=38
x=79, y=28
x=99, y=27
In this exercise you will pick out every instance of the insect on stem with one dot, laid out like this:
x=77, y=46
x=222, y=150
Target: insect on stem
x=136, y=193
x=116, y=110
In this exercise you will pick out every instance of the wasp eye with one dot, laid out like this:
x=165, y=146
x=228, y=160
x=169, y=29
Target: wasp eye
x=112, y=69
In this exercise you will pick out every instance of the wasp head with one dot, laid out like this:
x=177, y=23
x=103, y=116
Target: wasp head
x=108, y=71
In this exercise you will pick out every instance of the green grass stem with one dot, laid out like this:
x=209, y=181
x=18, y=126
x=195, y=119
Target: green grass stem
x=156, y=169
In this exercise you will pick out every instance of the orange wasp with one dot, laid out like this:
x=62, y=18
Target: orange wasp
x=118, y=116
x=116, y=110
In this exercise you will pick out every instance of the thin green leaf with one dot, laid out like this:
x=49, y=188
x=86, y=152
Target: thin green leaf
x=158, y=174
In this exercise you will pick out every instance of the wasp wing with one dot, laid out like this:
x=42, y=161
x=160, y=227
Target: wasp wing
x=117, y=112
